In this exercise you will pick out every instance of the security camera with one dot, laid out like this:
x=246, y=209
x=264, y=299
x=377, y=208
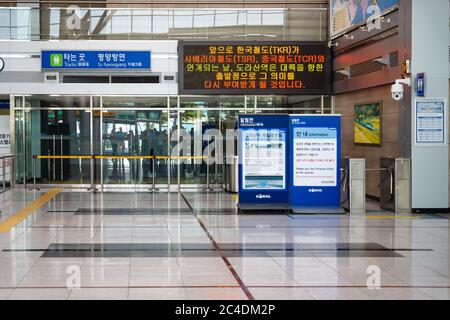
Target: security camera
x=397, y=89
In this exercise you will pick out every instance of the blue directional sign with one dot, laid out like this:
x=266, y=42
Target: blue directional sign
x=69, y=59
x=263, y=174
x=315, y=161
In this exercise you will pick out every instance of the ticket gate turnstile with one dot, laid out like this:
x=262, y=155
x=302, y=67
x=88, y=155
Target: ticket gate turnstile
x=353, y=185
x=395, y=181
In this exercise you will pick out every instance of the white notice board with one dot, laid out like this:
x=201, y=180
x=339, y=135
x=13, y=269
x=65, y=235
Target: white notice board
x=430, y=129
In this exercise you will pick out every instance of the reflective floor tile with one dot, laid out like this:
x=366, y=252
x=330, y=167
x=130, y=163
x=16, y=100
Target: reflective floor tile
x=437, y=293
x=216, y=294
x=117, y=241
x=39, y=294
x=155, y=275
x=99, y=294
x=338, y=294
x=157, y=294
x=105, y=276
x=397, y=294
x=75, y=235
x=51, y=273
x=280, y=294
x=5, y=293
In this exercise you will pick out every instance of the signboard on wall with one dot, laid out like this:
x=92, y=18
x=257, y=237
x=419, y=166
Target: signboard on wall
x=5, y=138
x=90, y=59
x=346, y=14
x=5, y=142
x=430, y=122
x=315, y=161
x=263, y=175
x=300, y=68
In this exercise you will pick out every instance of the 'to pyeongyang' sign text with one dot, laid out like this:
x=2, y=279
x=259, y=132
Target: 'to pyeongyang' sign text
x=298, y=68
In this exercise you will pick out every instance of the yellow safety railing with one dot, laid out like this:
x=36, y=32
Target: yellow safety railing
x=64, y=157
x=121, y=157
x=93, y=157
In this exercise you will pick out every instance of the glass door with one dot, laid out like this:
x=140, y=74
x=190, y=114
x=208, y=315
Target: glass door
x=19, y=138
x=134, y=128
x=53, y=127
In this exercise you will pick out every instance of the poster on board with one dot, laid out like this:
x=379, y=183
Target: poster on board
x=315, y=161
x=315, y=157
x=430, y=122
x=264, y=159
x=346, y=14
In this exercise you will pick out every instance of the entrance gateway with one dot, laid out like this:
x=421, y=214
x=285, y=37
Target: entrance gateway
x=112, y=138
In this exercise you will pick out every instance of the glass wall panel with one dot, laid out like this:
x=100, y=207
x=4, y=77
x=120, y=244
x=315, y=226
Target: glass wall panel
x=160, y=24
x=54, y=126
x=5, y=23
x=270, y=103
x=123, y=129
x=19, y=138
x=204, y=122
x=164, y=24
x=24, y=24
x=141, y=22
x=173, y=145
x=121, y=22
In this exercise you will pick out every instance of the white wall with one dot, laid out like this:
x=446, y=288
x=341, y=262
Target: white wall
x=430, y=34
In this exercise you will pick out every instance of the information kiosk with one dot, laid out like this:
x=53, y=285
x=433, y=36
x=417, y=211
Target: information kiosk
x=315, y=163
x=262, y=151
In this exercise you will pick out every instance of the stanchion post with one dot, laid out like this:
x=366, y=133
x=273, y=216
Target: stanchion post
x=34, y=172
x=208, y=188
x=169, y=171
x=154, y=189
x=92, y=188
x=12, y=173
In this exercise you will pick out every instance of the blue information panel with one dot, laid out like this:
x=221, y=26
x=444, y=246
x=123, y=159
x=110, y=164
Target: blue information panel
x=134, y=60
x=315, y=161
x=263, y=148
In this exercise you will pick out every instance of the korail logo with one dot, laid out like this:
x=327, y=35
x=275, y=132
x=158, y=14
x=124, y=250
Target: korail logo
x=315, y=190
x=263, y=196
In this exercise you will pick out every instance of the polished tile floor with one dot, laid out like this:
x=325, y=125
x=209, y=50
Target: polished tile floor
x=195, y=246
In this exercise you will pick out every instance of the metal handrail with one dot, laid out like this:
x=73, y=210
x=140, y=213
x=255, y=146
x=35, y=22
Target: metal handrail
x=121, y=157
x=4, y=160
x=5, y=156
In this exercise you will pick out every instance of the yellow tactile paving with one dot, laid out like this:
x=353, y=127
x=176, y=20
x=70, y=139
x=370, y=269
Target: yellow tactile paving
x=23, y=213
x=392, y=217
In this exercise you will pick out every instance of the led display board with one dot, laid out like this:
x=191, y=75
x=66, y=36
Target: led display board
x=254, y=67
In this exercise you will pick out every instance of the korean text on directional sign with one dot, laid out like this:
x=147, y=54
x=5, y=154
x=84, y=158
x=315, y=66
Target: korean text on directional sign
x=254, y=68
x=71, y=59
